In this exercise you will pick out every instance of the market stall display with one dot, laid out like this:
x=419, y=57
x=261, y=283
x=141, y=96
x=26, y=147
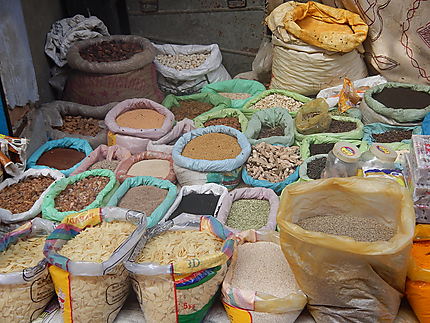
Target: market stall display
x=233, y=118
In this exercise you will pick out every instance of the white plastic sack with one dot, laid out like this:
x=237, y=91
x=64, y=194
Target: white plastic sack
x=191, y=80
x=7, y=216
x=69, y=30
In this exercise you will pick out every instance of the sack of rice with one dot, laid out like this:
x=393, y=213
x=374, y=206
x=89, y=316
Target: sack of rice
x=260, y=282
x=86, y=253
x=177, y=273
x=25, y=284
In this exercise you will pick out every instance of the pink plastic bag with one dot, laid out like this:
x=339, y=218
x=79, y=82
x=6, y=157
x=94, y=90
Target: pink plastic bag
x=165, y=144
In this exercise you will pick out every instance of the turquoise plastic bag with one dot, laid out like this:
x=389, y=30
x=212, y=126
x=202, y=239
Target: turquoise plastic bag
x=277, y=187
x=48, y=206
x=377, y=128
x=67, y=142
x=426, y=125
x=236, y=86
x=161, y=210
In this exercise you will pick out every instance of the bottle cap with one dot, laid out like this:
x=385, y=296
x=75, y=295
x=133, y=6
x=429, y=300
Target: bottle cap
x=346, y=152
x=383, y=153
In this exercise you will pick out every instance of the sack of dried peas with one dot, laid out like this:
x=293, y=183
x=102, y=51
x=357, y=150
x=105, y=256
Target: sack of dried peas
x=25, y=284
x=177, y=273
x=86, y=252
x=259, y=285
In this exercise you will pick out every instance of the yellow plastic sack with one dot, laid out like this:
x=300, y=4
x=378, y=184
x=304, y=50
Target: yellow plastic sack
x=346, y=280
x=323, y=26
x=313, y=117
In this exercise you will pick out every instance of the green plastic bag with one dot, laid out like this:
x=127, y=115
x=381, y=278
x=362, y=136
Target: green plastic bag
x=201, y=119
x=307, y=142
x=353, y=113
x=356, y=134
x=271, y=117
x=48, y=206
x=298, y=97
x=219, y=102
x=303, y=171
x=236, y=86
x=161, y=210
x=377, y=128
x=399, y=115
x=313, y=117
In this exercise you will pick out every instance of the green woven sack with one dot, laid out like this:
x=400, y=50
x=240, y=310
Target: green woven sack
x=249, y=112
x=271, y=118
x=48, y=206
x=235, y=86
x=399, y=115
x=201, y=119
x=356, y=134
x=306, y=143
x=219, y=102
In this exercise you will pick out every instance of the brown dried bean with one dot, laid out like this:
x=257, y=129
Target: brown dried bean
x=85, y=126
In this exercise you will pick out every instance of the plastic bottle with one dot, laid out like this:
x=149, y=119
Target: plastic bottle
x=378, y=156
x=342, y=161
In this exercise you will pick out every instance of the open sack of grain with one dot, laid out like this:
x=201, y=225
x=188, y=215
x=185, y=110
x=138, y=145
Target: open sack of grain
x=366, y=242
x=259, y=283
x=86, y=253
x=177, y=273
x=213, y=154
x=233, y=118
x=25, y=284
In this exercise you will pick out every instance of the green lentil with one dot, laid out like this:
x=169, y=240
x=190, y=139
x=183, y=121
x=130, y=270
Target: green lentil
x=248, y=214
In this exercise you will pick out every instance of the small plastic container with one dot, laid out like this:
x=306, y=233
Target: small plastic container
x=378, y=156
x=342, y=161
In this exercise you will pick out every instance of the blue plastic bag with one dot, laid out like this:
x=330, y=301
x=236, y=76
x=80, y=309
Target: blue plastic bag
x=161, y=210
x=277, y=187
x=426, y=124
x=67, y=142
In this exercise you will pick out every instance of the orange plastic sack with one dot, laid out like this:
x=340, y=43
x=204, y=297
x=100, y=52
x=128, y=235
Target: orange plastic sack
x=323, y=26
x=348, y=96
x=346, y=280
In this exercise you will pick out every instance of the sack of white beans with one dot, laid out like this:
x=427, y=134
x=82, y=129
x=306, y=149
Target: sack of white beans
x=86, y=252
x=259, y=284
x=25, y=284
x=177, y=273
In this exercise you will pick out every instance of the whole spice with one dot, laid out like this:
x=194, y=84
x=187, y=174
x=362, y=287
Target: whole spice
x=190, y=109
x=159, y=168
x=267, y=132
x=392, y=136
x=20, y=197
x=277, y=100
x=359, y=228
x=143, y=198
x=198, y=204
x=316, y=149
x=403, y=98
x=227, y=121
x=110, y=51
x=141, y=119
x=182, y=61
x=212, y=146
x=85, y=126
x=105, y=164
x=60, y=158
x=421, y=254
x=338, y=126
x=235, y=96
x=315, y=168
x=273, y=163
x=248, y=214
x=80, y=194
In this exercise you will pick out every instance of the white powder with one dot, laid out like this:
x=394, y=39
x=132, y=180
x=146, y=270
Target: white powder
x=150, y=167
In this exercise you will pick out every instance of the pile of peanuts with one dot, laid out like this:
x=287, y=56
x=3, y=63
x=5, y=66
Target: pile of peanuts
x=277, y=100
x=181, y=61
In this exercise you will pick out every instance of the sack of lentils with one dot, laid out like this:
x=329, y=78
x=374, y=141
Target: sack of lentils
x=213, y=154
x=288, y=100
x=273, y=125
x=191, y=106
x=25, y=284
x=68, y=119
x=366, y=242
x=85, y=191
x=148, y=163
x=239, y=91
x=249, y=208
x=226, y=117
x=103, y=157
x=21, y=197
x=398, y=104
x=64, y=154
x=133, y=123
x=197, y=200
x=259, y=281
x=272, y=166
x=111, y=69
x=86, y=253
x=177, y=273
x=344, y=128
x=394, y=137
x=312, y=167
x=146, y=194
x=312, y=146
